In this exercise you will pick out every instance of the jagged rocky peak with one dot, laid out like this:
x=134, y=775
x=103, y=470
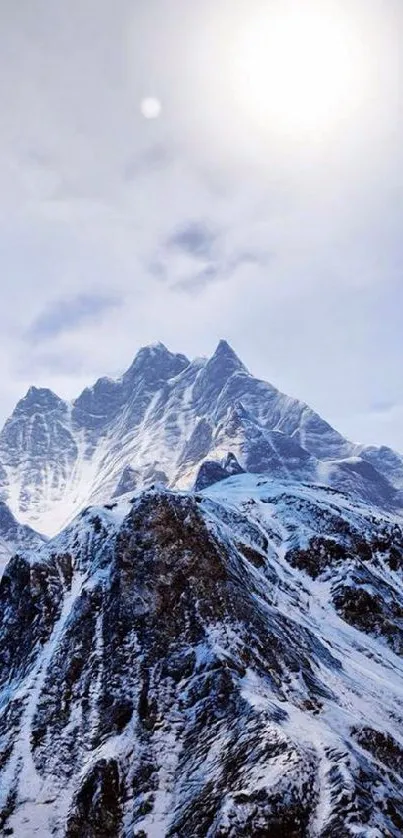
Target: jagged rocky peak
x=219, y=369
x=156, y=363
x=100, y=397
x=152, y=365
x=225, y=354
x=224, y=362
x=99, y=405
x=40, y=400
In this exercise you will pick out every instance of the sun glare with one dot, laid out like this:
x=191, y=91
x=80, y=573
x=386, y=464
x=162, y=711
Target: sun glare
x=300, y=69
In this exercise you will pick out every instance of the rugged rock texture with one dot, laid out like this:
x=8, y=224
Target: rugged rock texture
x=128, y=482
x=158, y=423
x=194, y=665
x=212, y=472
x=14, y=536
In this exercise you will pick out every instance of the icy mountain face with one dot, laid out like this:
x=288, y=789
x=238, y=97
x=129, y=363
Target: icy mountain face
x=225, y=663
x=159, y=423
x=38, y=452
x=15, y=536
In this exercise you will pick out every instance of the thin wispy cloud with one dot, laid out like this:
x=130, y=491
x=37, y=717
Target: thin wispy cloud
x=66, y=315
x=383, y=406
x=220, y=271
x=197, y=283
x=196, y=238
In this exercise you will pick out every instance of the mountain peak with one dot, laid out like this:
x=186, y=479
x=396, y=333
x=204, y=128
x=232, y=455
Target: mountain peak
x=224, y=353
x=153, y=351
x=156, y=348
x=215, y=375
x=156, y=361
x=40, y=398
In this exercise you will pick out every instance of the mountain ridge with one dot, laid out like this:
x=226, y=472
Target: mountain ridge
x=162, y=418
x=206, y=664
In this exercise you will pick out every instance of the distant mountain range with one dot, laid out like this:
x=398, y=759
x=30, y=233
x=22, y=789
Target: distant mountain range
x=158, y=423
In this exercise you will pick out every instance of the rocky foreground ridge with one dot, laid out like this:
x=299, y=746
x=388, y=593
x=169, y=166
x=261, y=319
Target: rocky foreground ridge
x=226, y=662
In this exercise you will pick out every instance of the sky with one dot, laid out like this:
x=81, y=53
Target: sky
x=219, y=218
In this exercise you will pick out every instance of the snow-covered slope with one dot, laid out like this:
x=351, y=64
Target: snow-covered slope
x=158, y=423
x=15, y=536
x=223, y=663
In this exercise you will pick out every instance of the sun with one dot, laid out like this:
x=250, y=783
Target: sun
x=150, y=107
x=299, y=67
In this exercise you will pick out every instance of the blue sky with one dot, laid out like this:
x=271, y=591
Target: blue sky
x=117, y=231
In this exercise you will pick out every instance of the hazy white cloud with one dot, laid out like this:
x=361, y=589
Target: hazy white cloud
x=67, y=315
x=198, y=224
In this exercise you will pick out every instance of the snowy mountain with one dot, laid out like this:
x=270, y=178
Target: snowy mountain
x=225, y=662
x=159, y=423
x=219, y=654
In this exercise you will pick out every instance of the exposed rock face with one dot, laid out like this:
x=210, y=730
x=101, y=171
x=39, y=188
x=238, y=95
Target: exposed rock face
x=159, y=423
x=14, y=536
x=180, y=665
x=97, y=807
x=127, y=483
x=212, y=472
